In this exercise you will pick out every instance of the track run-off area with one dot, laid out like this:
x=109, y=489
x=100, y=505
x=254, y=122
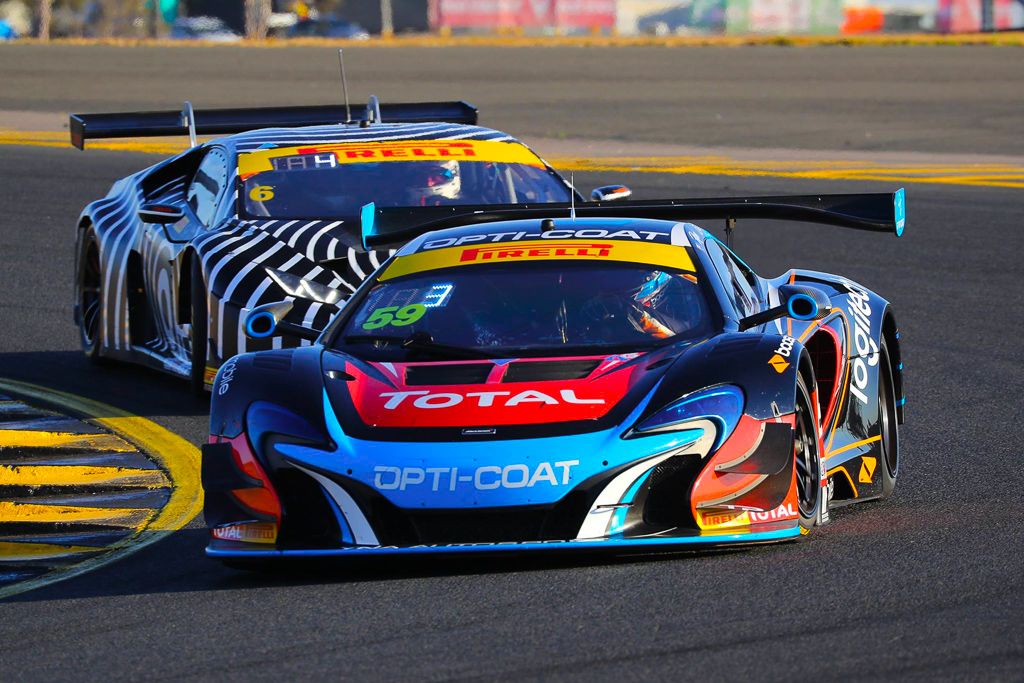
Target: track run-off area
x=925, y=586
x=83, y=484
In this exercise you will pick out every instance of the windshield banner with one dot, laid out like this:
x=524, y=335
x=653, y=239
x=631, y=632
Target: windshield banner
x=331, y=155
x=661, y=255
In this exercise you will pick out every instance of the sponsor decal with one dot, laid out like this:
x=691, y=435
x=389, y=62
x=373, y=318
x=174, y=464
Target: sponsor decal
x=427, y=400
x=863, y=345
x=867, y=469
x=779, y=514
x=389, y=403
x=732, y=518
x=560, y=234
x=566, y=249
x=484, y=478
x=778, y=361
x=331, y=155
x=247, y=532
x=713, y=519
x=227, y=373
x=399, y=316
x=470, y=254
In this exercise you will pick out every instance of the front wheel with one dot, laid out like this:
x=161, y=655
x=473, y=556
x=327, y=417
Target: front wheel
x=807, y=451
x=90, y=297
x=200, y=330
x=887, y=425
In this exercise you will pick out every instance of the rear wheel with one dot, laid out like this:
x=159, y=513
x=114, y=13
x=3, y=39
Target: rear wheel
x=200, y=331
x=888, y=428
x=808, y=457
x=90, y=297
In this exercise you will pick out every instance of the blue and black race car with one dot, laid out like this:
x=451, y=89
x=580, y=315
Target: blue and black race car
x=169, y=261
x=552, y=377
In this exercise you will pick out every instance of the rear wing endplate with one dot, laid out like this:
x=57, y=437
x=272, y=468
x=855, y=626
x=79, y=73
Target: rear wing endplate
x=877, y=212
x=228, y=121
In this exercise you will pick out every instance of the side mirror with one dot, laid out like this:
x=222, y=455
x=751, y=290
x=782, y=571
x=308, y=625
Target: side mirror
x=161, y=214
x=610, y=193
x=268, y=321
x=798, y=302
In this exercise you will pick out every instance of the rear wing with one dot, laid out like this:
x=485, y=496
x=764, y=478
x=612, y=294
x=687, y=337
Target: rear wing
x=878, y=212
x=228, y=121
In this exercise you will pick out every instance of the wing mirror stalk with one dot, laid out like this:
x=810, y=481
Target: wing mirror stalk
x=799, y=303
x=167, y=216
x=268, y=321
x=161, y=214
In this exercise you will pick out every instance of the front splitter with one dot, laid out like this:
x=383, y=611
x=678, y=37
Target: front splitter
x=644, y=543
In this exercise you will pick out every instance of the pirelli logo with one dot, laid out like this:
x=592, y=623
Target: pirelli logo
x=413, y=151
x=658, y=255
x=315, y=157
x=567, y=250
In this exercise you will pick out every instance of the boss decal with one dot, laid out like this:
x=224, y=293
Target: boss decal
x=484, y=478
x=778, y=361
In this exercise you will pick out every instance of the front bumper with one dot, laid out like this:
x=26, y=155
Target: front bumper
x=774, y=534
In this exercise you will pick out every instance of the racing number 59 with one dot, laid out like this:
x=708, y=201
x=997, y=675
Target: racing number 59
x=393, y=315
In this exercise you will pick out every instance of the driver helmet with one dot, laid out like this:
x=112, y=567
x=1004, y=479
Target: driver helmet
x=434, y=182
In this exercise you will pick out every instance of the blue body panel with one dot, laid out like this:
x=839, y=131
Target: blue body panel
x=466, y=474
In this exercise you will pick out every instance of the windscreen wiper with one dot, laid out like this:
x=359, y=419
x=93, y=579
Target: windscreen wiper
x=419, y=341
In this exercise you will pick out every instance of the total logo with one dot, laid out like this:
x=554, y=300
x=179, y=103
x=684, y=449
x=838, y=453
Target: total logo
x=485, y=478
x=863, y=344
x=778, y=361
x=783, y=512
x=427, y=400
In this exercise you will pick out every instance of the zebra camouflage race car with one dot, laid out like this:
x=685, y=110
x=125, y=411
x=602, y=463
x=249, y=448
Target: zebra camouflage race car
x=171, y=259
x=516, y=379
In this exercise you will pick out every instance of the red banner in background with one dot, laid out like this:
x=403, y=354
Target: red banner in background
x=964, y=16
x=496, y=14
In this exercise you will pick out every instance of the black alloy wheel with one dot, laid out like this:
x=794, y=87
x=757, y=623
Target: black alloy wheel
x=888, y=427
x=808, y=457
x=90, y=297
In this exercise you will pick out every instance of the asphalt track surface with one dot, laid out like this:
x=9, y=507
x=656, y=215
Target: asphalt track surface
x=926, y=586
x=963, y=100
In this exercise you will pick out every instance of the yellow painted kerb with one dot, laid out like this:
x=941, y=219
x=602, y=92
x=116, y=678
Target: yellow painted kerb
x=178, y=459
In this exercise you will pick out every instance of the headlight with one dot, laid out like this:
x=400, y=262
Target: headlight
x=722, y=405
x=304, y=289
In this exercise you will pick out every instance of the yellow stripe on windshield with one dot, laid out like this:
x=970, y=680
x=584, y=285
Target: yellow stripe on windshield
x=646, y=253
x=329, y=154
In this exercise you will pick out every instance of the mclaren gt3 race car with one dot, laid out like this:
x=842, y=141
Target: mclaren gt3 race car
x=514, y=379
x=168, y=261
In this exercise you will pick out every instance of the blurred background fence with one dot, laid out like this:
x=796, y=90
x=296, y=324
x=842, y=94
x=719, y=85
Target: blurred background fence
x=231, y=20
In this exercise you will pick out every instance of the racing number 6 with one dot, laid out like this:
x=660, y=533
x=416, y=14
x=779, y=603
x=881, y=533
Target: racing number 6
x=393, y=315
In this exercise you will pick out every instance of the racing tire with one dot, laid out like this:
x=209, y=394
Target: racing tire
x=200, y=329
x=807, y=452
x=889, y=446
x=90, y=298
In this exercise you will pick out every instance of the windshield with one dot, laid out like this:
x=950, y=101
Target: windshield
x=524, y=309
x=336, y=180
